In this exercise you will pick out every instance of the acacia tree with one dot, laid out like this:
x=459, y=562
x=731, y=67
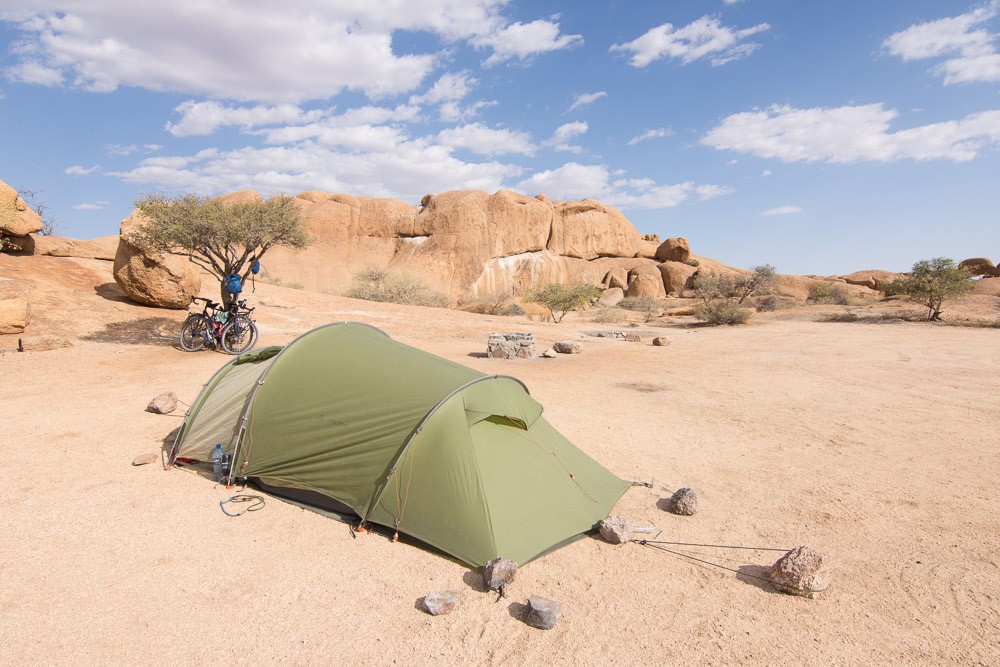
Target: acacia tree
x=224, y=239
x=932, y=281
x=560, y=299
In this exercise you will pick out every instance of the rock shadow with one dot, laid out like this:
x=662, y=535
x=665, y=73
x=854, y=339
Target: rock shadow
x=478, y=355
x=474, y=580
x=518, y=610
x=757, y=576
x=112, y=292
x=147, y=331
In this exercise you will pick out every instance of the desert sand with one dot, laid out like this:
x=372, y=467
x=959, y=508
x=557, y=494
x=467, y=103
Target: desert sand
x=874, y=443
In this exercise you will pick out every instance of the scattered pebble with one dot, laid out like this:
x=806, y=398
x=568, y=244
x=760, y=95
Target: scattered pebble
x=683, y=502
x=567, y=347
x=440, y=602
x=542, y=613
x=661, y=341
x=145, y=459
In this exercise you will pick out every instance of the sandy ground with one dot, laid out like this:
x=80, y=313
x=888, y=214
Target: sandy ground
x=873, y=443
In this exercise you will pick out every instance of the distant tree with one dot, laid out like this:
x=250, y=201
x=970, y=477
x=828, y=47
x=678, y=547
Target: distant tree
x=223, y=239
x=36, y=204
x=561, y=299
x=932, y=281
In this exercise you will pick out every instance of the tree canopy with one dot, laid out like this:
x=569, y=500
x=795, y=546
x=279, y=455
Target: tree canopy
x=933, y=281
x=560, y=299
x=222, y=238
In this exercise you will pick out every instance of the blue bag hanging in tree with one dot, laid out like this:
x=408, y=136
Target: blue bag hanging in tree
x=254, y=270
x=233, y=283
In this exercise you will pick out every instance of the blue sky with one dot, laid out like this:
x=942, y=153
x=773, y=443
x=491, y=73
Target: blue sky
x=819, y=137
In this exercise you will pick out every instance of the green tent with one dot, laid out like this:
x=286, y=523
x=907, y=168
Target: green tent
x=460, y=460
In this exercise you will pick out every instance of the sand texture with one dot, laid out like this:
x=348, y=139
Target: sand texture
x=873, y=443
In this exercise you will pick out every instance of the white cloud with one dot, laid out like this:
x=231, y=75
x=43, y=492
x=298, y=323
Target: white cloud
x=95, y=206
x=271, y=53
x=449, y=88
x=412, y=169
x=766, y=173
x=451, y=112
x=34, y=72
x=522, y=40
x=970, y=51
x=361, y=129
x=578, y=181
x=585, y=99
x=657, y=133
x=851, y=134
x=203, y=118
x=77, y=170
x=564, y=134
x=781, y=210
x=705, y=37
x=484, y=140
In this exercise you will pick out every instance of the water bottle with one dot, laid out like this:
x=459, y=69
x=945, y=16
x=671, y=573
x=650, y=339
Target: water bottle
x=220, y=462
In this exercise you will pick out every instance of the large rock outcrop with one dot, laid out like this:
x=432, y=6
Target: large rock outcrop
x=980, y=266
x=17, y=220
x=14, y=310
x=149, y=277
x=461, y=242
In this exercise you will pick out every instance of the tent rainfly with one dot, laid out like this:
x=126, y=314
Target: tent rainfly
x=460, y=460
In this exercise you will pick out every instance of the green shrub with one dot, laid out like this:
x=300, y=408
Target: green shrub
x=827, y=293
x=375, y=284
x=722, y=311
x=693, y=262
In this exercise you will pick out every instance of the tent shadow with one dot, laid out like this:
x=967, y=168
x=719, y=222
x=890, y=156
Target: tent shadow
x=756, y=575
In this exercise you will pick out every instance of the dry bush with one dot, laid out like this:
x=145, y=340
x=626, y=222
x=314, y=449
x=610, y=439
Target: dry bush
x=827, y=293
x=375, y=284
x=722, y=311
x=606, y=314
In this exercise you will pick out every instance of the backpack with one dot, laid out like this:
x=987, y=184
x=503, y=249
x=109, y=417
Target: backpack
x=233, y=283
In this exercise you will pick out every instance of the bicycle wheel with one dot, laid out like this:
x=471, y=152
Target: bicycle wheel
x=194, y=333
x=239, y=335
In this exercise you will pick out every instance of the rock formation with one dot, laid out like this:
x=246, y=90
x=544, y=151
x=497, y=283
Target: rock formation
x=17, y=220
x=149, y=277
x=980, y=266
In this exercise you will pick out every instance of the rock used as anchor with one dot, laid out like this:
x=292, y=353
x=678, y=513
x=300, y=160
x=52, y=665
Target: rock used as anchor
x=498, y=573
x=799, y=572
x=616, y=529
x=163, y=404
x=440, y=602
x=542, y=613
x=683, y=502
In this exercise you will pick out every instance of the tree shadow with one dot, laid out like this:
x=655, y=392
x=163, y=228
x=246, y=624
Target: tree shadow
x=161, y=331
x=112, y=292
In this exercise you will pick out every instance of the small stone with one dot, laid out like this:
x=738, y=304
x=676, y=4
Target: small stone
x=440, y=602
x=633, y=338
x=616, y=529
x=163, y=404
x=661, y=341
x=498, y=573
x=567, y=347
x=684, y=502
x=542, y=613
x=549, y=353
x=42, y=343
x=799, y=572
x=145, y=459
